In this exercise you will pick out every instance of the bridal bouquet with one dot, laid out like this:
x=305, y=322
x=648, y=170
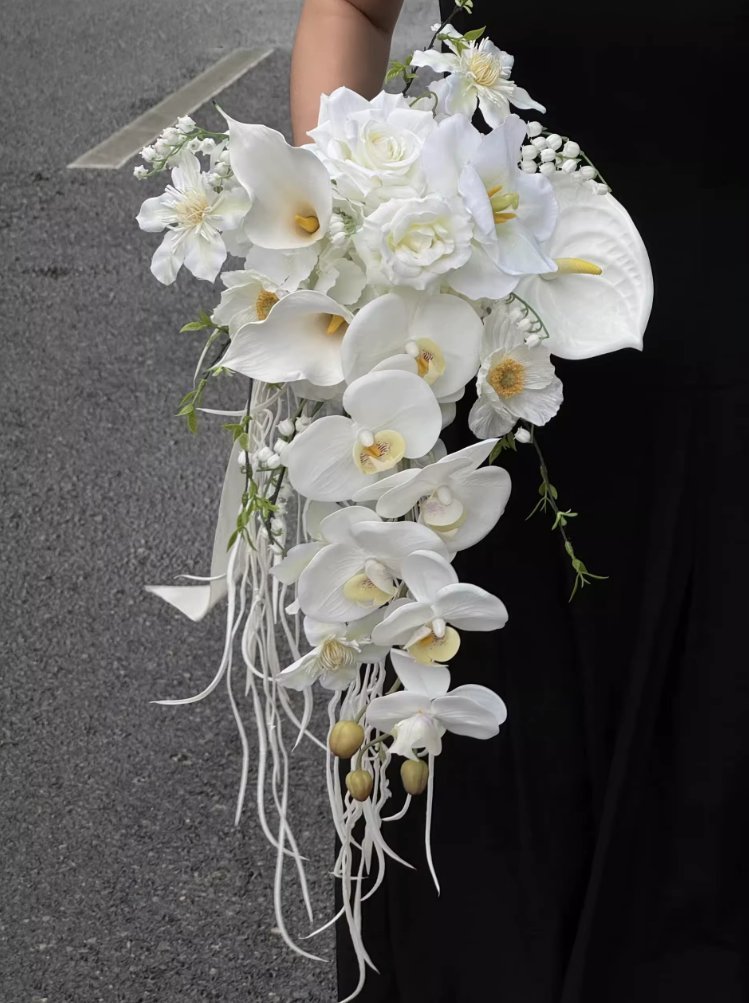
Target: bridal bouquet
x=399, y=256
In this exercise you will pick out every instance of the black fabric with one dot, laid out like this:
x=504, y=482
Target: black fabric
x=596, y=851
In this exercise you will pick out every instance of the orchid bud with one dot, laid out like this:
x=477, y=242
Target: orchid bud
x=286, y=427
x=414, y=775
x=345, y=739
x=554, y=141
x=359, y=784
x=571, y=149
x=522, y=435
x=535, y=129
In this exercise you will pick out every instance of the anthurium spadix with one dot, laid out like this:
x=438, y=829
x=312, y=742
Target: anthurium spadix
x=300, y=339
x=392, y=414
x=441, y=606
x=420, y=714
x=440, y=333
x=600, y=297
x=455, y=499
x=346, y=580
x=290, y=188
x=339, y=650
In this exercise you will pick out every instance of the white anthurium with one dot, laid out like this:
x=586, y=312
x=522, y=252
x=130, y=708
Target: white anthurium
x=479, y=73
x=512, y=212
x=339, y=650
x=292, y=199
x=600, y=297
x=459, y=502
x=194, y=214
x=393, y=415
x=427, y=626
x=515, y=381
x=440, y=333
x=420, y=714
x=371, y=147
x=324, y=523
x=346, y=580
x=300, y=339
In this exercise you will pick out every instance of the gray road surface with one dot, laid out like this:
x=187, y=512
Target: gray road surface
x=122, y=878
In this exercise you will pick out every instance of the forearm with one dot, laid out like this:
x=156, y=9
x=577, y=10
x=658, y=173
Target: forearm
x=338, y=43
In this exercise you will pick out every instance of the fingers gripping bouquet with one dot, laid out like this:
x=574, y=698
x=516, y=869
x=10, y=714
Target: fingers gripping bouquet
x=399, y=256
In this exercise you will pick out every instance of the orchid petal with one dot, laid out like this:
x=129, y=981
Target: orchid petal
x=385, y=712
x=432, y=680
x=290, y=567
x=390, y=542
x=338, y=526
x=485, y=697
x=398, y=626
x=464, y=716
x=469, y=607
x=319, y=460
x=427, y=574
x=399, y=401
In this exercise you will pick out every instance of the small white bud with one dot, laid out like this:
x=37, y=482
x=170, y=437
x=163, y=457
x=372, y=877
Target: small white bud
x=535, y=129
x=224, y=157
x=529, y=151
x=242, y=459
x=140, y=172
x=569, y=166
x=365, y=438
x=587, y=172
x=522, y=435
x=439, y=627
x=554, y=141
x=286, y=427
x=207, y=145
x=194, y=146
x=532, y=340
x=301, y=423
x=162, y=149
x=273, y=461
x=529, y=166
x=264, y=454
x=548, y=156
x=277, y=526
x=571, y=148
x=600, y=188
x=213, y=179
x=517, y=315
x=170, y=135
x=185, y=124
x=338, y=239
x=547, y=169
x=148, y=153
x=539, y=142
x=279, y=445
x=525, y=324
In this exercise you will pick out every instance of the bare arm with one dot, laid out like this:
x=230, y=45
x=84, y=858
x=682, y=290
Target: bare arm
x=338, y=42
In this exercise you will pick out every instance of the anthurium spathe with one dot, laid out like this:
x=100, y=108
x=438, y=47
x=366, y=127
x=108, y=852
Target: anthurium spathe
x=428, y=625
x=439, y=332
x=300, y=339
x=346, y=580
x=290, y=188
x=392, y=414
x=424, y=710
x=600, y=297
x=455, y=499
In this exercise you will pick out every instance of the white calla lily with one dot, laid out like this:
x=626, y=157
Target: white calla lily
x=589, y=314
x=290, y=188
x=339, y=649
x=300, y=339
x=393, y=414
x=440, y=333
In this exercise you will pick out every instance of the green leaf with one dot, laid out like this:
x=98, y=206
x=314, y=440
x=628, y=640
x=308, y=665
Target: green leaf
x=194, y=325
x=192, y=421
x=476, y=33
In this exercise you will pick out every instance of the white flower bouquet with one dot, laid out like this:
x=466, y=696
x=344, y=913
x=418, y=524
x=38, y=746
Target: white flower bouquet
x=399, y=256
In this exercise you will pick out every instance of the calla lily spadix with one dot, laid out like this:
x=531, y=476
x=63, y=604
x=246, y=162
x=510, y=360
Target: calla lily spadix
x=290, y=188
x=338, y=652
x=424, y=710
x=439, y=332
x=428, y=625
x=393, y=414
x=457, y=500
x=589, y=314
x=345, y=580
x=300, y=339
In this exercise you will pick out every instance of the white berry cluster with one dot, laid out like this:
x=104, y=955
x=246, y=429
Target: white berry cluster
x=185, y=135
x=548, y=152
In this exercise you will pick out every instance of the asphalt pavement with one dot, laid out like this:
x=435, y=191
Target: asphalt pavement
x=122, y=876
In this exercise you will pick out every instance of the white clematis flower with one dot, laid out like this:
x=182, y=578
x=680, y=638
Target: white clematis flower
x=457, y=500
x=479, y=74
x=438, y=335
x=423, y=711
x=414, y=241
x=428, y=625
x=291, y=193
x=371, y=148
x=193, y=214
x=359, y=571
x=393, y=414
x=300, y=339
x=600, y=297
x=514, y=381
x=339, y=649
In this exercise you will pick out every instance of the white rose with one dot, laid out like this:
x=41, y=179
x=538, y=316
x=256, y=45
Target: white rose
x=415, y=241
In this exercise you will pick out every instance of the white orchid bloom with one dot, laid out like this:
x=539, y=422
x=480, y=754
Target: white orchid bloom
x=316, y=527
x=515, y=381
x=300, y=339
x=371, y=148
x=428, y=625
x=193, y=214
x=345, y=580
x=461, y=503
x=339, y=649
x=600, y=297
x=420, y=714
x=479, y=74
x=292, y=199
x=393, y=414
x=440, y=335
x=512, y=212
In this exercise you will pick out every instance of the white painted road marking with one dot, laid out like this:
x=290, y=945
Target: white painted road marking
x=115, y=152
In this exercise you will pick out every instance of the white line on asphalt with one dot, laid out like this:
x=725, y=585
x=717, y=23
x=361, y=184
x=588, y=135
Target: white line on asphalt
x=125, y=143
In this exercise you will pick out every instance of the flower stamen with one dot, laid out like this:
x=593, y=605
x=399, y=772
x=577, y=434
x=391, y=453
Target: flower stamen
x=507, y=378
x=265, y=300
x=310, y=224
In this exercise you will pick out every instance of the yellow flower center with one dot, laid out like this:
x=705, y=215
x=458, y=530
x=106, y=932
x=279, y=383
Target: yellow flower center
x=192, y=209
x=361, y=589
x=432, y=649
x=334, y=324
x=430, y=362
x=507, y=377
x=310, y=224
x=386, y=450
x=336, y=655
x=265, y=300
x=484, y=68
x=501, y=201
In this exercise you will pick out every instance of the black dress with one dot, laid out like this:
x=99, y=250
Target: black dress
x=597, y=850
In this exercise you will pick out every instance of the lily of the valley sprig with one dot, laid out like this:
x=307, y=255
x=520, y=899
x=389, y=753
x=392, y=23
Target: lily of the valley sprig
x=367, y=279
